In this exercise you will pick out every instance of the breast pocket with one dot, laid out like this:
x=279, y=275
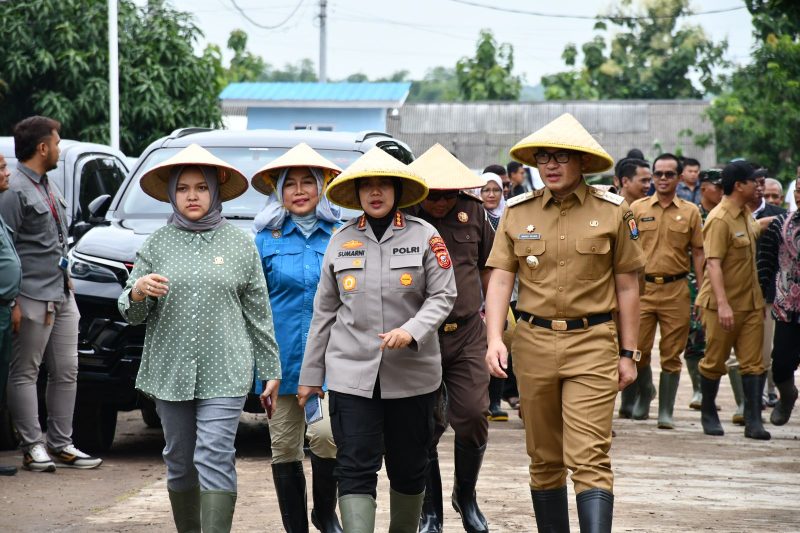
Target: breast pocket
x=678, y=234
x=594, y=257
x=350, y=275
x=536, y=269
x=467, y=246
x=740, y=248
x=41, y=220
x=280, y=265
x=406, y=272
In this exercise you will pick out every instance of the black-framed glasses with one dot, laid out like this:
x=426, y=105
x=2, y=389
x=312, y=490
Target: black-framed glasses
x=669, y=174
x=561, y=156
x=435, y=196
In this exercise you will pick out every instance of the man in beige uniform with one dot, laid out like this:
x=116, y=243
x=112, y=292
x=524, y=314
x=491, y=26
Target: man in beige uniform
x=732, y=302
x=576, y=252
x=670, y=228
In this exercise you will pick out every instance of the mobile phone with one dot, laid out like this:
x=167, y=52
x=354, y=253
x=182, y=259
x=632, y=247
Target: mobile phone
x=313, y=410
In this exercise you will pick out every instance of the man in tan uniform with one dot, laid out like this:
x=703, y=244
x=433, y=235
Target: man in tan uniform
x=576, y=252
x=670, y=228
x=732, y=302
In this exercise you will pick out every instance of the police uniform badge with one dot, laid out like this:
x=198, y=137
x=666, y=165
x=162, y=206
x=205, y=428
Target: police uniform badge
x=463, y=217
x=276, y=234
x=439, y=249
x=349, y=283
x=632, y=227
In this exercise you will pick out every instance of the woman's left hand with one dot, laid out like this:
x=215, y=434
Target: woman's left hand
x=269, y=398
x=395, y=339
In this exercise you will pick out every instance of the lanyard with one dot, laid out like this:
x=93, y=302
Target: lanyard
x=51, y=203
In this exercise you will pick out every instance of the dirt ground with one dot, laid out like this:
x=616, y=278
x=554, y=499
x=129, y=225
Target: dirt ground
x=666, y=481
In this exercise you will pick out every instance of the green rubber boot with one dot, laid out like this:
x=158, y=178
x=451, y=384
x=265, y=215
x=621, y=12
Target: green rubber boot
x=358, y=513
x=646, y=390
x=694, y=374
x=404, y=511
x=186, y=509
x=738, y=394
x=216, y=510
x=667, y=390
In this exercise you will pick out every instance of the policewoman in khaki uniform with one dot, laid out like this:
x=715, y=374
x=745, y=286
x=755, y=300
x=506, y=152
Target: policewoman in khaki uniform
x=670, y=228
x=463, y=224
x=576, y=250
x=732, y=302
x=386, y=286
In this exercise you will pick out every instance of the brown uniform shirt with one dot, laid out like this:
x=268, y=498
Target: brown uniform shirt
x=668, y=234
x=468, y=234
x=730, y=234
x=579, y=244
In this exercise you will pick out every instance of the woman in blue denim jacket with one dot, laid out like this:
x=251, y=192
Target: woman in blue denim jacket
x=293, y=232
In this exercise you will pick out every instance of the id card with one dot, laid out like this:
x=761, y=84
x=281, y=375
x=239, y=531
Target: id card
x=63, y=263
x=313, y=410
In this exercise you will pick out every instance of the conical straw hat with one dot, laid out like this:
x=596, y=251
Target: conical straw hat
x=232, y=182
x=376, y=162
x=302, y=155
x=567, y=133
x=441, y=170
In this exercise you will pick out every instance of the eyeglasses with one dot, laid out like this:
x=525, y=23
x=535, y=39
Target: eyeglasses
x=543, y=158
x=669, y=174
x=435, y=196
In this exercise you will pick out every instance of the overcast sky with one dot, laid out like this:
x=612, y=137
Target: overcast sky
x=379, y=37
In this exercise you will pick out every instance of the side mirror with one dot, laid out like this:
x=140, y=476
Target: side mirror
x=99, y=206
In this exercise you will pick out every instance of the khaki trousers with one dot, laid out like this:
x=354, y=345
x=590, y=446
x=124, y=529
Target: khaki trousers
x=667, y=306
x=287, y=430
x=746, y=339
x=567, y=384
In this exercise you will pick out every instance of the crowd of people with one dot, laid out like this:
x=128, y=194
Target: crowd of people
x=402, y=321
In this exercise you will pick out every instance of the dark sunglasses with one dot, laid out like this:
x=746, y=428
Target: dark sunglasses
x=669, y=174
x=544, y=157
x=435, y=196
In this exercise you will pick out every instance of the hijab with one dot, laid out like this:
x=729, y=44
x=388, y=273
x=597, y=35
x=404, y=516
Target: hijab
x=213, y=218
x=497, y=212
x=274, y=213
x=379, y=225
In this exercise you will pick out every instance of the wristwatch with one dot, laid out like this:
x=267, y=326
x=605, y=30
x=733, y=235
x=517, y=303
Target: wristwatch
x=636, y=355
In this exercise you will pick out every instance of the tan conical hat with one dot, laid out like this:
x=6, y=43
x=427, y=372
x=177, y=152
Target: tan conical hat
x=567, y=133
x=232, y=182
x=302, y=155
x=376, y=162
x=441, y=170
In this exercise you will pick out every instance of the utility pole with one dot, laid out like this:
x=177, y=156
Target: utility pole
x=113, y=73
x=323, y=41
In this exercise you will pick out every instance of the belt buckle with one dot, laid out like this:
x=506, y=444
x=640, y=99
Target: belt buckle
x=449, y=328
x=558, y=325
x=659, y=280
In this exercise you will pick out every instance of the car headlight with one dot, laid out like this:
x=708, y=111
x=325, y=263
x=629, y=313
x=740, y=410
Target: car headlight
x=80, y=269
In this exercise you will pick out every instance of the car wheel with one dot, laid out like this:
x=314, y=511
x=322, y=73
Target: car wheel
x=149, y=414
x=93, y=427
x=9, y=438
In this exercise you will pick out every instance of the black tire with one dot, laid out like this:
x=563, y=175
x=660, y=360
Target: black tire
x=149, y=414
x=9, y=438
x=93, y=427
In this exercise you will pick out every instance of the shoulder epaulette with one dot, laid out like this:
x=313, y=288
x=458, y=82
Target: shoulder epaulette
x=607, y=196
x=511, y=202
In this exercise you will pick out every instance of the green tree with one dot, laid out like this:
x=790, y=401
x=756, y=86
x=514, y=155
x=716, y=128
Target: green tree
x=488, y=75
x=438, y=85
x=758, y=117
x=645, y=54
x=57, y=65
x=245, y=66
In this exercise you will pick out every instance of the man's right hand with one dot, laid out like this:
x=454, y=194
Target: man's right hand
x=725, y=314
x=304, y=392
x=16, y=318
x=497, y=358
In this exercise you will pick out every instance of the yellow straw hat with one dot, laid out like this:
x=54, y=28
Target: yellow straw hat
x=441, y=170
x=232, y=182
x=302, y=155
x=567, y=133
x=376, y=162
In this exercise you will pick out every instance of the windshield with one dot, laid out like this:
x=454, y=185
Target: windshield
x=137, y=204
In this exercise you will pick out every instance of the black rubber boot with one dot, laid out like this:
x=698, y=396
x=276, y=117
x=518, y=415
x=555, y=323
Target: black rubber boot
x=290, y=485
x=646, y=390
x=550, y=508
x=468, y=462
x=432, y=517
x=595, y=510
x=708, y=408
x=627, y=399
x=753, y=387
x=783, y=409
x=323, y=492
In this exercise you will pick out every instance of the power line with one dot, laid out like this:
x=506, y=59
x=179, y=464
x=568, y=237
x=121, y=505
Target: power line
x=587, y=17
x=256, y=24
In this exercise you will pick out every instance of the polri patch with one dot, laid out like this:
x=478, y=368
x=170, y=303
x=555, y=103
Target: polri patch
x=439, y=249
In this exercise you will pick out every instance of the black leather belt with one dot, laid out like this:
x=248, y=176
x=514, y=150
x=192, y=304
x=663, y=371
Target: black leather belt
x=660, y=280
x=450, y=327
x=565, y=325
